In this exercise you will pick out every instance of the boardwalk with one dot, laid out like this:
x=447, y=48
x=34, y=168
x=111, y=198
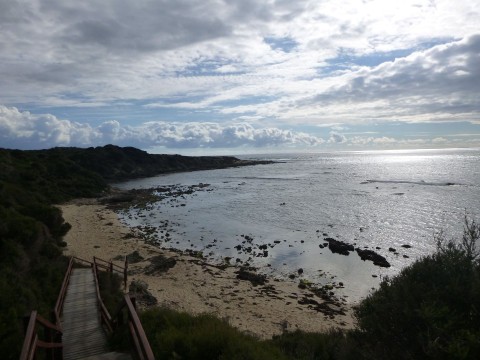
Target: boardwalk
x=83, y=336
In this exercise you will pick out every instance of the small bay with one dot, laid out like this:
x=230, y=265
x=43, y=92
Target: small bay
x=276, y=217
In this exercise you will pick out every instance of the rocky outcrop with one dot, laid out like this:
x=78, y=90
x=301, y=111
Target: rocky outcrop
x=254, y=278
x=160, y=264
x=339, y=247
x=144, y=297
x=371, y=255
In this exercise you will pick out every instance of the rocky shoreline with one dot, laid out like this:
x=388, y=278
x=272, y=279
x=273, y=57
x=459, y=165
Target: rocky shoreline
x=185, y=281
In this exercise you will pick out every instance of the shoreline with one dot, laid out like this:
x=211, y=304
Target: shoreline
x=196, y=287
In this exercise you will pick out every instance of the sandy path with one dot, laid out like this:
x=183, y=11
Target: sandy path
x=191, y=285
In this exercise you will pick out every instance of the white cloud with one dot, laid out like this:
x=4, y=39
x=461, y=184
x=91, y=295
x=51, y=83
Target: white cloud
x=337, y=138
x=185, y=56
x=23, y=130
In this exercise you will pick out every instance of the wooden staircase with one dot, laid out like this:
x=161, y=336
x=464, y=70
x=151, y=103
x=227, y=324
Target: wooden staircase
x=83, y=335
x=78, y=331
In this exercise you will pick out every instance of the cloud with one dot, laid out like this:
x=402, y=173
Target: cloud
x=23, y=130
x=288, y=63
x=336, y=138
x=437, y=84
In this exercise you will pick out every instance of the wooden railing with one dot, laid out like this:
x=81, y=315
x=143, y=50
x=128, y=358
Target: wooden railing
x=139, y=338
x=143, y=351
x=53, y=331
x=57, y=310
x=52, y=343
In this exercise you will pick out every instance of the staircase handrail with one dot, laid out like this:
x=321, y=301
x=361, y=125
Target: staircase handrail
x=63, y=291
x=142, y=345
x=31, y=343
x=53, y=330
x=105, y=317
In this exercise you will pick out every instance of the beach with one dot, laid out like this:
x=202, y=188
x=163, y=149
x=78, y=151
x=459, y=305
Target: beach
x=193, y=285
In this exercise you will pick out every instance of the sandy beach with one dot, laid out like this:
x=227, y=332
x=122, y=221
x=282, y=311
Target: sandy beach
x=194, y=286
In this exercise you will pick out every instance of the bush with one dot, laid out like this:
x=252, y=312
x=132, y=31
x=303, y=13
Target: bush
x=431, y=309
x=175, y=335
x=334, y=344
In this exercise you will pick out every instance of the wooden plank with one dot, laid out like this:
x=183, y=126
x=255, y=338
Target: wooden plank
x=83, y=335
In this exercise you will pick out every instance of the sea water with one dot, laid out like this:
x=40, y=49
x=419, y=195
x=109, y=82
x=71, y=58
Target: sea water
x=375, y=200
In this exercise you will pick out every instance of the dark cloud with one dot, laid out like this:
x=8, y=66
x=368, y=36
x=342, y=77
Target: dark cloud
x=135, y=27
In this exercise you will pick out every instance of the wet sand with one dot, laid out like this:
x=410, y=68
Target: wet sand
x=194, y=286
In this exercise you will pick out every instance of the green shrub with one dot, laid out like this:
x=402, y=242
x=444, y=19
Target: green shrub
x=430, y=310
x=331, y=345
x=175, y=335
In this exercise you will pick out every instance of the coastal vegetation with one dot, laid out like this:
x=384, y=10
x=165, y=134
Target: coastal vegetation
x=31, y=228
x=430, y=310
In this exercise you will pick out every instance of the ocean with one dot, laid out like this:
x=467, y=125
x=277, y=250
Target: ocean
x=276, y=217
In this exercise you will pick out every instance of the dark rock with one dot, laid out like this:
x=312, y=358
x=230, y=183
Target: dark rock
x=255, y=279
x=134, y=257
x=300, y=271
x=142, y=295
x=406, y=246
x=392, y=249
x=371, y=255
x=339, y=247
x=263, y=247
x=159, y=264
x=292, y=276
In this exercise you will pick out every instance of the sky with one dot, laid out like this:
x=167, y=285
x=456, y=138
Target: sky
x=240, y=76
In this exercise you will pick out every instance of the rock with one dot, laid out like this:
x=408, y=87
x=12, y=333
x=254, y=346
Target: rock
x=159, y=264
x=339, y=247
x=142, y=295
x=371, y=255
x=255, y=279
x=300, y=271
x=263, y=247
x=406, y=246
x=134, y=257
x=392, y=249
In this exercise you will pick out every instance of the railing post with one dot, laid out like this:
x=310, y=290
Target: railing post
x=133, y=299
x=125, y=274
x=58, y=352
x=26, y=321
